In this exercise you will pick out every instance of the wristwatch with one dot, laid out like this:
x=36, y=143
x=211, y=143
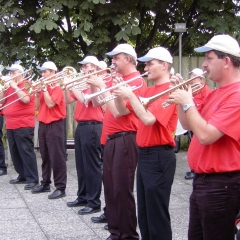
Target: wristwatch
x=187, y=106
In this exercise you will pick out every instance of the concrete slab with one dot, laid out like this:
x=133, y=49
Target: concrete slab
x=27, y=216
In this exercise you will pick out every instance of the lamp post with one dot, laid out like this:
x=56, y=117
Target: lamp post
x=180, y=28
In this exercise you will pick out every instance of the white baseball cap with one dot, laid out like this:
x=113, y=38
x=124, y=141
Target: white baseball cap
x=196, y=71
x=223, y=43
x=159, y=53
x=123, y=48
x=102, y=65
x=15, y=67
x=89, y=59
x=48, y=65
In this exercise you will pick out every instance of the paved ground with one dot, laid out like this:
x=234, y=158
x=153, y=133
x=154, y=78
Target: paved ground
x=26, y=216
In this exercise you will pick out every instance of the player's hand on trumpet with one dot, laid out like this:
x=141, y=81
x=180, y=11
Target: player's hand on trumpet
x=124, y=91
x=96, y=81
x=176, y=79
x=181, y=97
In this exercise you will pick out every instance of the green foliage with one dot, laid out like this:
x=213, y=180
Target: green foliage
x=65, y=30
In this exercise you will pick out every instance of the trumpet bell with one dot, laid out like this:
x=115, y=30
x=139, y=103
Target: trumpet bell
x=69, y=70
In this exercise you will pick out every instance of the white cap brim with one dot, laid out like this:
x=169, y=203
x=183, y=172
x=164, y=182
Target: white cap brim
x=203, y=49
x=145, y=59
x=12, y=69
x=42, y=68
x=83, y=62
x=112, y=53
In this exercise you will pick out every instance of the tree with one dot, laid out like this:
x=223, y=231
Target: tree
x=66, y=30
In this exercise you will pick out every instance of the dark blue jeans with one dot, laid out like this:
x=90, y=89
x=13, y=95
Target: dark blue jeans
x=2, y=153
x=214, y=204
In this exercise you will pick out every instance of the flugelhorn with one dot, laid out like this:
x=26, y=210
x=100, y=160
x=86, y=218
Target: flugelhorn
x=196, y=88
x=88, y=97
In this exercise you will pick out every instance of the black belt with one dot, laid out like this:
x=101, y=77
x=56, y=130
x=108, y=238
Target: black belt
x=224, y=174
x=119, y=134
x=156, y=148
x=88, y=122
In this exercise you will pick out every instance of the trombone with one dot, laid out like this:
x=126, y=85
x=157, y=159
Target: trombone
x=196, y=88
x=26, y=84
x=27, y=75
x=32, y=87
x=88, y=97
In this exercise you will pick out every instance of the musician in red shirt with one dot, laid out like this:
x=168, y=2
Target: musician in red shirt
x=155, y=140
x=120, y=149
x=3, y=168
x=19, y=114
x=88, y=149
x=214, y=151
x=51, y=133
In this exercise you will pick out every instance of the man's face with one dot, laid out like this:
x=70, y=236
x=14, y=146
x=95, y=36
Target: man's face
x=16, y=75
x=154, y=69
x=47, y=73
x=120, y=61
x=214, y=66
x=88, y=68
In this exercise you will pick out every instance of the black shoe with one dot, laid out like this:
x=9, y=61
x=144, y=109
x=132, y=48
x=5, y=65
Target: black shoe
x=30, y=186
x=17, y=181
x=57, y=194
x=2, y=172
x=190, y=175
x=106, y=228
x=76, y=203
x=100, y=219
x=88, y=210
x=41, y=189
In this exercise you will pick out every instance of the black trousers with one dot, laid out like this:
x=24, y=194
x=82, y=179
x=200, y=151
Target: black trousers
x=155, y=173
x=52, y=149
x=22, y=152
x=119, y=165
x=2, y=153
x=88, y=152
x=214, y=204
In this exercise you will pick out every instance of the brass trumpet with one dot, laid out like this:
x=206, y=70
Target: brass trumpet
x=196, y=88
x=42, y=82
x=80, y=81
x=88, y=97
